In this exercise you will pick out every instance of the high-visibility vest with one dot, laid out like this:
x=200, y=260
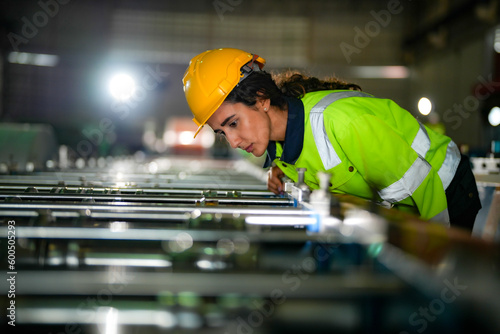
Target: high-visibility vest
x=373, y=148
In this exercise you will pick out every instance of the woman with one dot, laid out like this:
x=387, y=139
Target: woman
x=371, y=147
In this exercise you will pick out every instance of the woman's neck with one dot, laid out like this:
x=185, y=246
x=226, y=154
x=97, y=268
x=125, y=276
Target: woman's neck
x=279, y=119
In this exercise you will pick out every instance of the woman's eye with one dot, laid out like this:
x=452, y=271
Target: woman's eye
x=233, y=124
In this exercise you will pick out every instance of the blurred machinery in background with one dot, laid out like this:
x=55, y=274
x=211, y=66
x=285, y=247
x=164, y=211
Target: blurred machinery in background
x=200, y=246
x=487, y=173
x=179, y=137
x=25, y=147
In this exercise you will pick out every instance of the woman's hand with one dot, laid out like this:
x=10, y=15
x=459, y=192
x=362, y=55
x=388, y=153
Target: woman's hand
x=274, y=183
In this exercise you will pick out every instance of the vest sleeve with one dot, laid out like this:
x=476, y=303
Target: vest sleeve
x=389, y=164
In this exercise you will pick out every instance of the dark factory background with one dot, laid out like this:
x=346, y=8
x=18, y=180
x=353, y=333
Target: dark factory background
x=403, y=50
x=113, y=219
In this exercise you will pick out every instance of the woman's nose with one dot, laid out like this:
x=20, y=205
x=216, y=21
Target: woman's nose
x=233, y=140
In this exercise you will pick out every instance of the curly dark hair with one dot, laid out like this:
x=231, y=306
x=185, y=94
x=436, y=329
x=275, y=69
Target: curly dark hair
x=261, y=84
x=296, y=84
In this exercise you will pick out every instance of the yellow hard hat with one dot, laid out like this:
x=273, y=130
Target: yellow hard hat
x=212, y=75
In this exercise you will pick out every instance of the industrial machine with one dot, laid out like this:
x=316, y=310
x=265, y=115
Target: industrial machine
x=174, y=245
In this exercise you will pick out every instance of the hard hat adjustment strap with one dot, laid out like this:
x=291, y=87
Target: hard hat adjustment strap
x=249, y=68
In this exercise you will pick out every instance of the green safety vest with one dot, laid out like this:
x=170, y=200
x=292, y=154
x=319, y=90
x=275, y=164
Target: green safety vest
x=373, y=148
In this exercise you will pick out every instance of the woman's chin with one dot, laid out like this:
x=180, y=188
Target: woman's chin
x=258, y=154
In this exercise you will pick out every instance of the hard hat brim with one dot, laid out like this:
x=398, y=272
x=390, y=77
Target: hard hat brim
x=199, y=129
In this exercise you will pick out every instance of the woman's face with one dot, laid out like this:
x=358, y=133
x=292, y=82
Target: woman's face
x=244, y=127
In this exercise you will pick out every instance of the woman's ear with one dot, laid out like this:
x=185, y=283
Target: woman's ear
x=266, y=104
x=263, y=103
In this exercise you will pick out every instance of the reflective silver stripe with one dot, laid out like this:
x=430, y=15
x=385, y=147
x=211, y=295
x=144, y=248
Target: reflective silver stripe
x=450, y=164
x=329, y=157
x=410, y=181
x=335, y=96
x=421, y=143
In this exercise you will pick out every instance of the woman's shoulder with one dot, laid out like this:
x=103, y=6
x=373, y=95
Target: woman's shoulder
x=335, y=99
x=316, y=95
x=335, y=94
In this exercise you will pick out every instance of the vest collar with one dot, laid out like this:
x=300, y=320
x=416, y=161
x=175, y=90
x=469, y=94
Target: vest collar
x=294, y=135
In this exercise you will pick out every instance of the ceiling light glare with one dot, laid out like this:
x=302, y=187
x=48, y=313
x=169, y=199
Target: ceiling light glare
x=494, y=116
x=122, y=87
x=496, y=42
x=424, y=106
x=37, y=59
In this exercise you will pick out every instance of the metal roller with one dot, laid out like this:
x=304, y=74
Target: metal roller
x=200, y=245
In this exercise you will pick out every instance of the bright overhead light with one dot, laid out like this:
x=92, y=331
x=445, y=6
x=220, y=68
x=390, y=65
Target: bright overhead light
x=37, y=59
x=186, y=137
x=207, y=138
x=494, y=116
x=382, y=72
x=496, y=43
x=424, y=106
x=122, y=86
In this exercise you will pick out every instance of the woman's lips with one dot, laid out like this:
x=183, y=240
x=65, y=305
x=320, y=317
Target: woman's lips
x=249, y=148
